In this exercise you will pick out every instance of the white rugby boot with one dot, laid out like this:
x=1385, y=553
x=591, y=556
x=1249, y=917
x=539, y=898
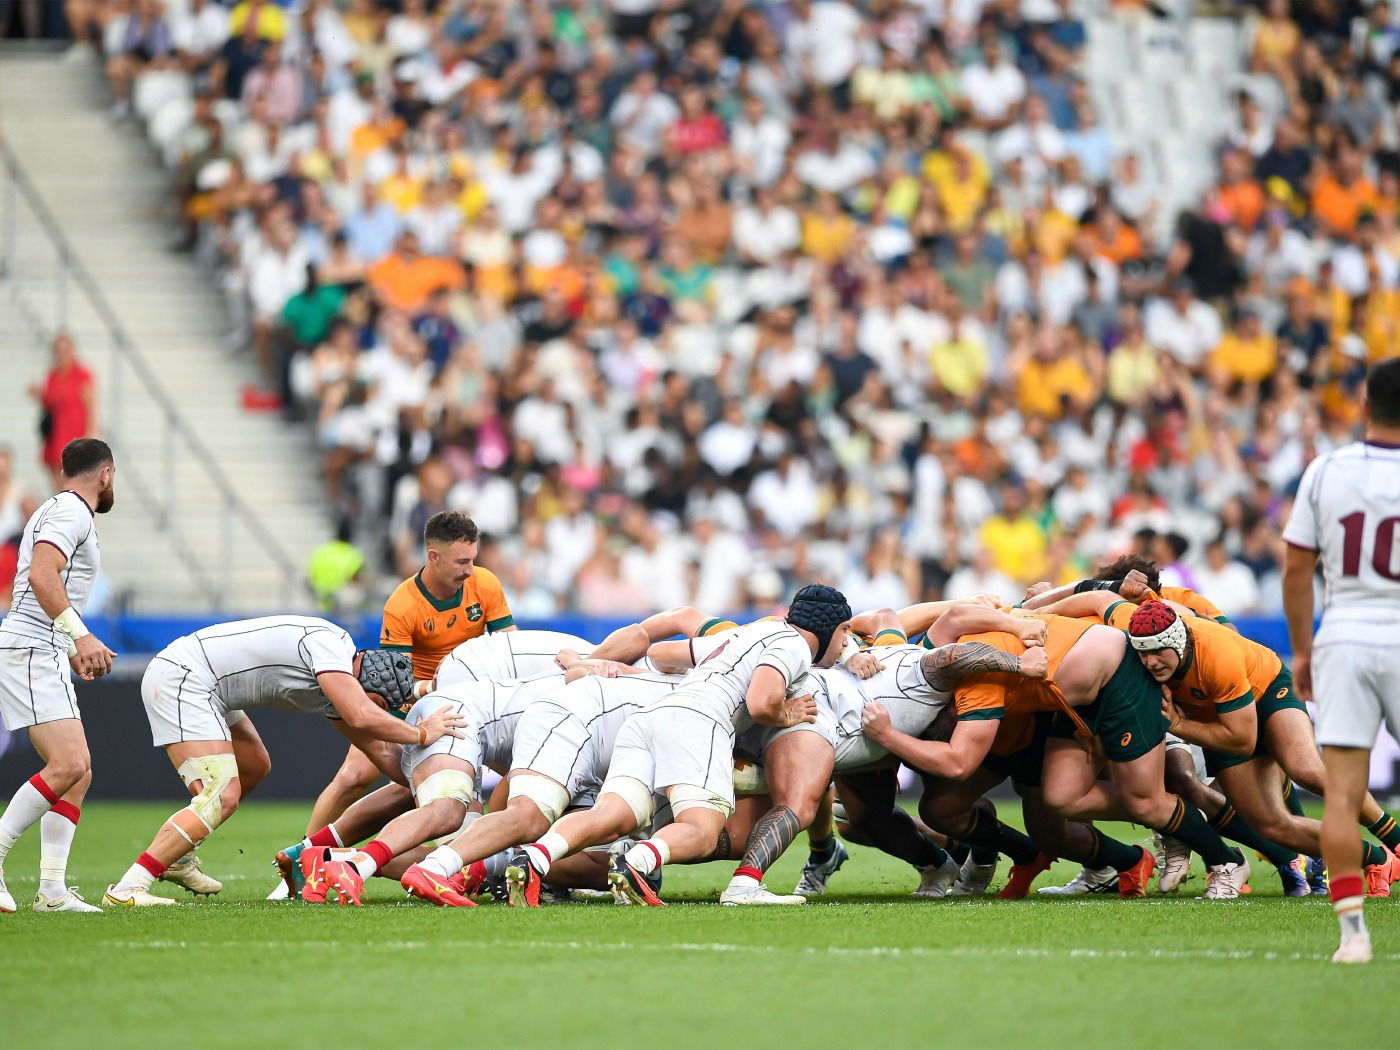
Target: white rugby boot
x=1225, y=882
x=743, y=889
x=815, y=876
x=1173, y=860
x=973, y=879
x=1355, y=949
x=1089, y=880
x=131, y=897
x=7, y=902
x=187, y=874
x=935, y=881
x=70, y=901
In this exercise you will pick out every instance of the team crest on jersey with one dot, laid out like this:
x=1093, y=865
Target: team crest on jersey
x=474, y=612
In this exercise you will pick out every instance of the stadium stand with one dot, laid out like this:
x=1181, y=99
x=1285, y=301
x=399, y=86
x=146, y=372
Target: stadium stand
x=688, y=301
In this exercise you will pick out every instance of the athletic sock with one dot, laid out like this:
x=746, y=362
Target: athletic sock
x=822, y=851
x=543, y=853
x=1348, y=893
x=958, y=850
x=900, y=837
x=373, y=855
x=648, y=855
x=1386, y=830
x=1234, y=827
x=1110, y=853
x=56, y=830
x=1371, y=855
x=1016, y=845
x=444, y=861
x=327, y=837
x=27, y=805
x=1187, y=824
x=1291, y=799
x=143, y=874
x=984, y=836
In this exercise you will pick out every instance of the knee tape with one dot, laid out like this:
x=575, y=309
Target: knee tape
x=838, y=812
x=749, y=778
x=551, y=798
x=689, y=796
x=446, y=783
x=215, y=772
x=637, y=796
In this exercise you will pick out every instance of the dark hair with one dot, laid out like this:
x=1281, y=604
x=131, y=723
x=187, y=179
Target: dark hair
x=1382, y=393
x=450, y=526
x=1119, y=569
x=1178, y=543
x=82, y=455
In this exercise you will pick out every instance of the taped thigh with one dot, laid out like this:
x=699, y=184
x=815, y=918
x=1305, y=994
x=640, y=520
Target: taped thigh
x=550, y=797
x=215, y=772
x=691, y=796
x=454, y=784
x=636, y=794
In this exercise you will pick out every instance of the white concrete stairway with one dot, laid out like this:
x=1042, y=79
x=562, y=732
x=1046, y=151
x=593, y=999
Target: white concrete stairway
x=164, y=546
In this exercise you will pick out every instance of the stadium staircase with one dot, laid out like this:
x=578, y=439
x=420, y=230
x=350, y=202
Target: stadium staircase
x=217, y=508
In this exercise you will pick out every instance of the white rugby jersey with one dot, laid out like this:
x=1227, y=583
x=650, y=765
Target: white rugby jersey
x=603, y=704
x=269, y=661
x=1348, y=510
x=725, y=664
x=493, y=709
x=913, y=704
x=66, y=522
x=506, y=654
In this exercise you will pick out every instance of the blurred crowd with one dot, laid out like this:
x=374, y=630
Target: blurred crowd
x=682, y=301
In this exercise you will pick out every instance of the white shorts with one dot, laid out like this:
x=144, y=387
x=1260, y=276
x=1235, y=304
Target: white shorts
x=668, y=746
x=1356, y=681
x=753, y=742
x=467, y=749
x=36, y=684
x=554, y=742
x=1198, y=757
x=181, y=705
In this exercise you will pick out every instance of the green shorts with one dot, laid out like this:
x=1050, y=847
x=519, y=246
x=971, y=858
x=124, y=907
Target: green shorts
x=1127, y=714
x=1279, y=697
x=1024, y=766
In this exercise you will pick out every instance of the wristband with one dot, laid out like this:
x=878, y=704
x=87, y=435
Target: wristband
x=423, y=687
x=72, y=650
x=71, y=624
x=1116, y=586
x=422, y=736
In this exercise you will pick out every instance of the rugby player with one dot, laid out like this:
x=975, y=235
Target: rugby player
x=562, y=749
x=1344, y=517
x=58, y=559
x=1097, y=689
x=196, y=691
x=448, y=601
x=683, y=747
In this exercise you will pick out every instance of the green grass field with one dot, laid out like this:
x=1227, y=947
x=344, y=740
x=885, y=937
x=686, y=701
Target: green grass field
x=865, y=966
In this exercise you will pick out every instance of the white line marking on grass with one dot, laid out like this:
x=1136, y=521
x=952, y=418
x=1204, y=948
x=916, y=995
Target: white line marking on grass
x=722, y=948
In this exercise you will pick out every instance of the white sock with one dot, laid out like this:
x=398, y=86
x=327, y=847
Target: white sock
x=551, y=847
x=444, y=861
x=1351, y=916
x=496, y=863
x=136, y=878
x=363, y=863
x=648, y=855
x=26, y=806
x=56, y=842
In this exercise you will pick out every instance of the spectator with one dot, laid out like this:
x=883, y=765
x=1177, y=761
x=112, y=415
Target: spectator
x=405, y=278
x=68, y=405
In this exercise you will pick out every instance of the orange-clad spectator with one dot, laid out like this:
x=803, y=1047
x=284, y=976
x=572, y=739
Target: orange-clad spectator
x=405, y=277
x=1342, y=193
x=1247, y=353
x=1050, y=378
x=705, y=223
x=1054, y=231
x=1238, y=198
x=1114, y=239
x=403, y=189
x=381, y=131
x=1376, y=318
x=827, y=230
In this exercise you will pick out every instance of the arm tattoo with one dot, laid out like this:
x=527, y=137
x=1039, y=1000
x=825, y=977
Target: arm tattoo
x=947, y=665
x=770, y=836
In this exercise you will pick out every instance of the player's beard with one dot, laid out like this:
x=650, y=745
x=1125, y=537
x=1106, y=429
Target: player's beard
x=105, y=499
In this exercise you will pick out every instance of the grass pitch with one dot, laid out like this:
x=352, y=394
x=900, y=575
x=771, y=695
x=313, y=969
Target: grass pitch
x=865, y=966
